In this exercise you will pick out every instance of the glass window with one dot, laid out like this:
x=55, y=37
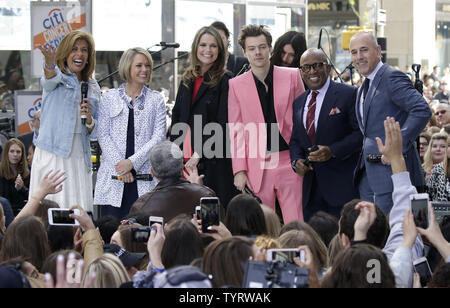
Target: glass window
x=15, y=25
x=119, y=25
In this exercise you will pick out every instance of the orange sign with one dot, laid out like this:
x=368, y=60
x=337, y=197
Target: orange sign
x=55, y=34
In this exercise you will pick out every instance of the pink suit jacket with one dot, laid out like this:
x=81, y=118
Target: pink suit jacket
x=246, y=119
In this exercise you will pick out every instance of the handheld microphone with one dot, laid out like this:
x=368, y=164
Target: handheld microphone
x=169, y=45
x=319, y=45
x=84, y=93
x=137, y=177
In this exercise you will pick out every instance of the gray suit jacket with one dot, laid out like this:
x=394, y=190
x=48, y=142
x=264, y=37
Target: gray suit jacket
x=391, y=94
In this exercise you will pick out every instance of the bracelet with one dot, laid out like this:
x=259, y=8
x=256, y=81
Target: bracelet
x=353, y=242
x=158, y=270
x=91, y=126
x=48, y=67
x=37, y=199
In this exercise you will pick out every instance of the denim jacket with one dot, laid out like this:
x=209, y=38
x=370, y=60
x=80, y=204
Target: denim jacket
x=59, y=112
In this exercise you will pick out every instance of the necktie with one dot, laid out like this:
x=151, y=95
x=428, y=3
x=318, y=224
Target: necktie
x=310, y=118
x=365, y=88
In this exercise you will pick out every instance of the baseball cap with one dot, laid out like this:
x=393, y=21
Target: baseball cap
x=183, y=276
x=127, y=258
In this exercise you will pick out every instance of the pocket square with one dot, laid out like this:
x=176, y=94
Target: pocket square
x=335, y=111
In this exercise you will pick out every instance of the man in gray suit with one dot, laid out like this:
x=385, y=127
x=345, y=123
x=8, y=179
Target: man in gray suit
x=384, y=93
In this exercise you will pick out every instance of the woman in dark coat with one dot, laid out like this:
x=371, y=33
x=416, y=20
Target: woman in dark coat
x=14, y=174
x=201, y=110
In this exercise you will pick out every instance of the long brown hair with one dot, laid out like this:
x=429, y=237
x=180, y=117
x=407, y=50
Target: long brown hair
x=217, y=71
x=65, y=48
x=6, y=171
x=26, y=237
x=224, y=260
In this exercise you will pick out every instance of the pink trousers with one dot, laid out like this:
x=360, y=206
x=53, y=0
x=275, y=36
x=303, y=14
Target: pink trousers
x=281, y=182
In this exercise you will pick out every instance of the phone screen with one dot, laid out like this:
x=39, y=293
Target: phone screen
x=155, y=220
x=285, y=256
x=209, y=213
x=420, y=211
x=141, y=235
x=62, y=217
x=423, y=269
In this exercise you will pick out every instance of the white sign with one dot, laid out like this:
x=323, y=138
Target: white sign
x=51, y=21
x=120, y=25
x=26, y=104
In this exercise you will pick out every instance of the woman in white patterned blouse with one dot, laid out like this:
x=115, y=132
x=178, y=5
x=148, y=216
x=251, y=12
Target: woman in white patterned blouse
x=132, y=120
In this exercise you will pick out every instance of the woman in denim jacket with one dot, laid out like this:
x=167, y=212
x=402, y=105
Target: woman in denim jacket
x=132, y=119
x=63, y=142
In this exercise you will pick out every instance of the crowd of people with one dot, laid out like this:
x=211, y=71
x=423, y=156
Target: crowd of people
x=294, y=159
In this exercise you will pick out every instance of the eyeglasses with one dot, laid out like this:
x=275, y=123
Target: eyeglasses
x=423, y=144
x=441, y=112
x=307, y=67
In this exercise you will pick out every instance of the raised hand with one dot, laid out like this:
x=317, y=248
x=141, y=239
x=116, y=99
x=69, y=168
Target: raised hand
x=49, y=54
x=52, y=182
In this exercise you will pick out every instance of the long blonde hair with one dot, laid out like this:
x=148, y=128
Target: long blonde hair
x=65, y=48
x=428, y=158
x=217, y=71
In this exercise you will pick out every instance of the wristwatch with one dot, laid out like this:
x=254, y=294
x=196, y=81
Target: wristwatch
x=91, y=126
x=294, y=162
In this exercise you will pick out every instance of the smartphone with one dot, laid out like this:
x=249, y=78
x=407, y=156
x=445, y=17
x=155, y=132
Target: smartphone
x=210, y=213
x=198, y=212
x=61, y=217
x=140, y=234
x=422, y=267
x=155, y=220
x=419, y=207
x=285, y=255
x=251, y=193
x=307, y=162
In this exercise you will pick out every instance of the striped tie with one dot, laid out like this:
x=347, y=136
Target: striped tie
x=310, y=118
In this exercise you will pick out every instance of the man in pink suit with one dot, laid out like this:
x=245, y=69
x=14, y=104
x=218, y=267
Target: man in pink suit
x=260, y=123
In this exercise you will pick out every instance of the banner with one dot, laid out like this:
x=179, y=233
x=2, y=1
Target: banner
x=51, y=21
x=26, y=103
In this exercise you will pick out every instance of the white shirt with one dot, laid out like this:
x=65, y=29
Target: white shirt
x=371, y=77
x=319, y=102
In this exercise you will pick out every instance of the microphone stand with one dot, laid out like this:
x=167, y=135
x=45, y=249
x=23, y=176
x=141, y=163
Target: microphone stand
x=332, y=65
x=116, y=72
x=329, y=59
x=170, y=61
x=349, y=67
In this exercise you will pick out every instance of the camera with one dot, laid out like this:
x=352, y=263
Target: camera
x=275, y=275
x=307, y=162
x=141, y=234
x=441, y=210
